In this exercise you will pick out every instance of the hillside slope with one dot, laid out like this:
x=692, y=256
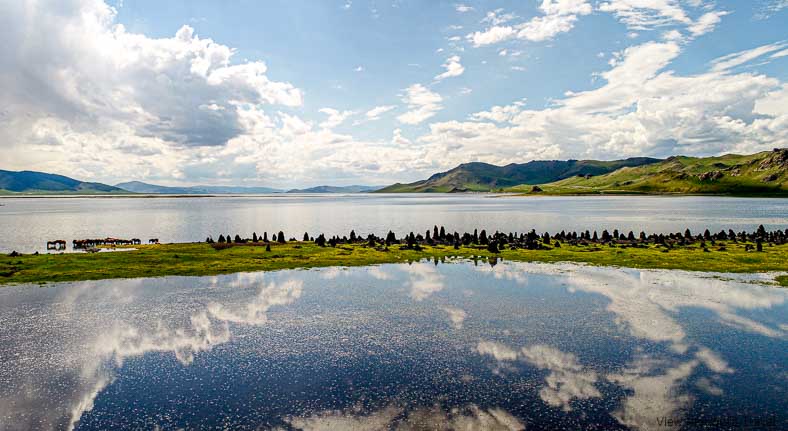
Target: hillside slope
x=485, y=177
x=40, y=182
x=764, y=173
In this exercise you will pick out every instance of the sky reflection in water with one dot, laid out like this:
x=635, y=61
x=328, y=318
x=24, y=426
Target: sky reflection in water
x=395, y=347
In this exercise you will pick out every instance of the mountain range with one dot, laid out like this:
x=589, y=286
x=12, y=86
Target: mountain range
x=484, y=177
x=40, y=182
x=140, y=187
x=337, y=189
x=764, y=173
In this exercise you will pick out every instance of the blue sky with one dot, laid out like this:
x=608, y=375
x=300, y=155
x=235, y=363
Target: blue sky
x=295, y=93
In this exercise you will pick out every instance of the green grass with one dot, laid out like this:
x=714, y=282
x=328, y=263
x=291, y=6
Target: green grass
x=761, y=174
x=199, y=259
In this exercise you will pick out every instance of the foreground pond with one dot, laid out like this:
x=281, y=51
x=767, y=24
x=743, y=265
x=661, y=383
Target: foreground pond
x=509, y=346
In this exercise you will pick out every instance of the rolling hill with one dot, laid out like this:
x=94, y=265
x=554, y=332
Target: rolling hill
x=140, y=187
x=484, y=177
x=764, y=173
x=43, y=183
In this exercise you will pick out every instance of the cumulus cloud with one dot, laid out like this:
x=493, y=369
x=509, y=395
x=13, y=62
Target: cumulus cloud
x=706, y=22
x=422, y=104
x=499, y=114
x=335, y=117
x=453, y=68
x=376, y=112
x=641, y=109
x=558, y=17
x=183, y=90
x=646, y=14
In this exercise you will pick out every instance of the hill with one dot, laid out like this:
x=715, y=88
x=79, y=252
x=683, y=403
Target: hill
x=764, y=173
x=140, y=187
x=43, y=183
x=484, y=177
x=336, y=189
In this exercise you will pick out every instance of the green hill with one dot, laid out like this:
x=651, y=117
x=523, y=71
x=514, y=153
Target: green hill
x=43, y=183
x=484, y=177
x=764, y=173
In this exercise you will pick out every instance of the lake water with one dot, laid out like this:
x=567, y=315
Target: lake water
x=27, y=223
x=468, y=346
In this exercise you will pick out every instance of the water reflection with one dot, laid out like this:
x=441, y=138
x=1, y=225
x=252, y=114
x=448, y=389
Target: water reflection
x=470, y=417
x=393, y=347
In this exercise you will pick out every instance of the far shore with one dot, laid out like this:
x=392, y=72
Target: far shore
x=490, y=194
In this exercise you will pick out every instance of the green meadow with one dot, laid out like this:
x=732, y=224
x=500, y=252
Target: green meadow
x=201, y=259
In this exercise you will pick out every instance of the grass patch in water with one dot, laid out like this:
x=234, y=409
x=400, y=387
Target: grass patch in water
x=200, y=259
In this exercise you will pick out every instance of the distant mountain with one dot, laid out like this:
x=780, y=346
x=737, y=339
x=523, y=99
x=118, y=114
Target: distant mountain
x=336, y=189
x=484, y=177
x=764, y=173
x=140, y=187
x=40, y=182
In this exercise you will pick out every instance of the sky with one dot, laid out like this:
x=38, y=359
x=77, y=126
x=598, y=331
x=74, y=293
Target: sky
x=294, y=93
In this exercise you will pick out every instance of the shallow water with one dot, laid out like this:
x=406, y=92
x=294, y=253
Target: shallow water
x=27, y=223
x=398, y=347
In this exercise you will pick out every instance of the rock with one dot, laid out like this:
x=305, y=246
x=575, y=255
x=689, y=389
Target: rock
x=777, y=159
x=711, y=176
x=770, y=178
x=536, y=189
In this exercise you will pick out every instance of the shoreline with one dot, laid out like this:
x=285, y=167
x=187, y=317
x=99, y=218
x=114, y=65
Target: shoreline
x=202, y=259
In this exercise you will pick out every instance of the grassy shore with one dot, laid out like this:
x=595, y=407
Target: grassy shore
x=199, y=259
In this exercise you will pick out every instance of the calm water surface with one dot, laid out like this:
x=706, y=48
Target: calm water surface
x=418, y=346
x=27, y=223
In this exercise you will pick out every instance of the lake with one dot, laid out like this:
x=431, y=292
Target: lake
x=27, y=223
x=471, y=345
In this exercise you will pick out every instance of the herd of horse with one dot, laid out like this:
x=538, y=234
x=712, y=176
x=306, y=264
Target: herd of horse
x=95, y=242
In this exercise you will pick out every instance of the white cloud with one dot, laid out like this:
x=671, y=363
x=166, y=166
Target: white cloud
x=335, y=117
x=559, y=17
x=376, y=112
x=359, y=69
x=496, y=17
x=738, y=58
x=646, y=14
x=491, y=35
x=462, y=8
x=641, y=109
x=706, y=22
x=422, y=104
x=499, y=114
x=453, y=68
x=770, y=8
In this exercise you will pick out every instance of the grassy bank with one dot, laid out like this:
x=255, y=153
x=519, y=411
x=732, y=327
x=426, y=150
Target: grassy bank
x=199, y=259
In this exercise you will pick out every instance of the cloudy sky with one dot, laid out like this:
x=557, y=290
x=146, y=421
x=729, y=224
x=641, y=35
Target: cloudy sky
x=293, y=93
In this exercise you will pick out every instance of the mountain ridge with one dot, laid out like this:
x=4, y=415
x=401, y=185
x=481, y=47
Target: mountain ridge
x=763, y=173
x=41, y=182
x=485, y=177
x=142, y=187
